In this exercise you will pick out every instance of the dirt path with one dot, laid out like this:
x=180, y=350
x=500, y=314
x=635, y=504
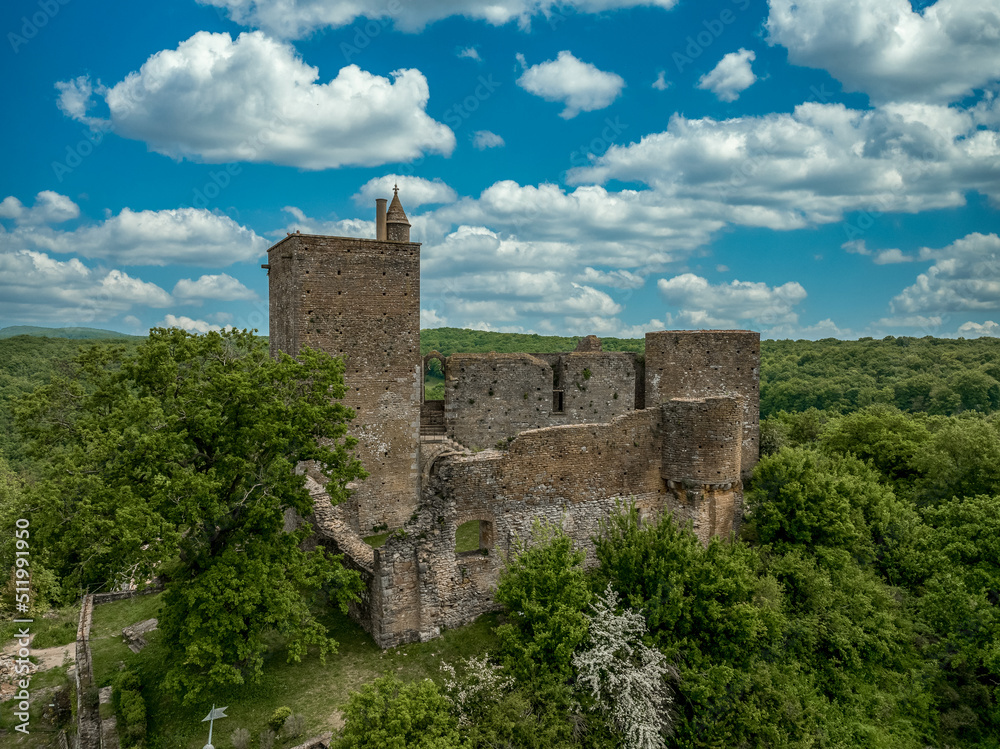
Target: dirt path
x=47, y=657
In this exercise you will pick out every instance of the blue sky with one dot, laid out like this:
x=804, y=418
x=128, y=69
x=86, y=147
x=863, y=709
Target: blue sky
x=812, y=169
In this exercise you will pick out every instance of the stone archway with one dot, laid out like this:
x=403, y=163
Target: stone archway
x=442, y=362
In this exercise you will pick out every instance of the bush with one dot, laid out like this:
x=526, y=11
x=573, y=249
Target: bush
x=267, y=738
x=389, y=713
x=130, y=708
x=278, y=718
x=545, y=592
x=240, y=738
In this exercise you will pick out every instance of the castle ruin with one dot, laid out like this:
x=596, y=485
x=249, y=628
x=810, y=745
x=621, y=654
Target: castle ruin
x=562, y=437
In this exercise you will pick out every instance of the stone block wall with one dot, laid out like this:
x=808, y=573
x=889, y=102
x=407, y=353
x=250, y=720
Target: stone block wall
x=573, y=475
x=701, y=363
x=360, y=299
x=597, y=386
x=489, y=397
x=493, y=397
x=702, y=452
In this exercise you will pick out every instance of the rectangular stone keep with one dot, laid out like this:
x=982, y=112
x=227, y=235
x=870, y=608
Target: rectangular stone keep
x=703, y=363
x=360, y=299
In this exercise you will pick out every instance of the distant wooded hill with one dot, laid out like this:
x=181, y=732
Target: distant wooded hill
x=918, y=375
x=72, y=333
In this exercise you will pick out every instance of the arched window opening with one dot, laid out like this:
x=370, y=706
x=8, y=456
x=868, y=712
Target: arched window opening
x=433, y=383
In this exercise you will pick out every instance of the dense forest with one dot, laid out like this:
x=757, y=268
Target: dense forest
x=860, y=606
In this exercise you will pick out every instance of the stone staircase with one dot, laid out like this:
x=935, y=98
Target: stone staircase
x=446, y=442
x=432, y=419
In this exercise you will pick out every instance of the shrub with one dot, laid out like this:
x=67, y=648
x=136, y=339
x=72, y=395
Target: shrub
x=267, y=738
x=278, y=718
x=389, y=713
x=130, y=708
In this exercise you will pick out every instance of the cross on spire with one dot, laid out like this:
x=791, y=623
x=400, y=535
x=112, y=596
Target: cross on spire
x=395, y=189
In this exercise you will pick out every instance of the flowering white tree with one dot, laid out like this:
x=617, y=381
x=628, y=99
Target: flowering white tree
x=482, y=684
x=624, y=676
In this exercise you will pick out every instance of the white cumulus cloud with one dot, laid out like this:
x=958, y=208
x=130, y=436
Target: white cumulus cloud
x=187, y=236
x=471, y=52
x=429, y=318
x=190, y=325
x=254, y=99
x=413, y=191
x=38, y=288
x=892, y=256
x=49, y=208
x=891, y=51
x=298, y=18
x=731, y=76
x=581, y=86
x=965, y=276
x=702, y=304
x=220, y=288
x=812, y=165
x=483, y=139
x=977, y=330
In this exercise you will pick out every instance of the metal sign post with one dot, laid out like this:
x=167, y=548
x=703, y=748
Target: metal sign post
x=216, y=713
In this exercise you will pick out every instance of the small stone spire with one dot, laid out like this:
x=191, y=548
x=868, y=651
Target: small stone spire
x=397, y=225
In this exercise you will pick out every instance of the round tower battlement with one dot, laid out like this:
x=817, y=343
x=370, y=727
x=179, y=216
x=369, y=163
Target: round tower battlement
x=702, y=440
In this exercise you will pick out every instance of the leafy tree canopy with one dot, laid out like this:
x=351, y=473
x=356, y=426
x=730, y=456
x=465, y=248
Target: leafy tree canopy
x=179, y=461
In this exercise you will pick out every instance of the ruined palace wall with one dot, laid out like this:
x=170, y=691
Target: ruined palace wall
x=683, y=457
x=360, y=299
x=597, y=386
x=573, y=475
x=493, y=397
x=700, y=363
x=489, y=397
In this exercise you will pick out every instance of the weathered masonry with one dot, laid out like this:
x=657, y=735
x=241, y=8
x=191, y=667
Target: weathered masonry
x=360, y=299
x=563, y=437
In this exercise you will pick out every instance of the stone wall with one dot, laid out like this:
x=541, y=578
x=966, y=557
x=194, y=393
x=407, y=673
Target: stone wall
x=573, y=475
x=489, y=397
x=494, y=397
x=360, y=299
x=683, y=457
x=88, y=718
x=597, y=386
x=702, y=363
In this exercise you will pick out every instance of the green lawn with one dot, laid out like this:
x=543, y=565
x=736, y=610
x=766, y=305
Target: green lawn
x=311, y=688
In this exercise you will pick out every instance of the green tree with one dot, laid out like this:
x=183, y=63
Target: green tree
x=961, y=459
x=388, y=714
x=180, y=460
x=887, y=438
x=545, y=592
